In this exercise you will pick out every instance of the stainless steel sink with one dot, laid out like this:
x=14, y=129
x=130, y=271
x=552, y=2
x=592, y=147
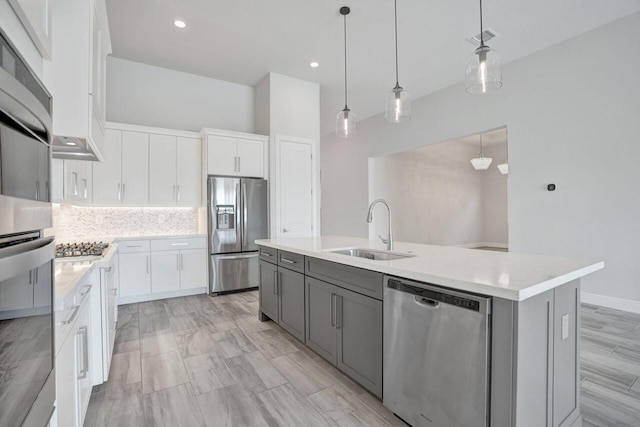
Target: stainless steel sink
x=372, y=254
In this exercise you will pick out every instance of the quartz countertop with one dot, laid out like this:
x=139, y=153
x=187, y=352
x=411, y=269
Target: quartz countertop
x=511, y=276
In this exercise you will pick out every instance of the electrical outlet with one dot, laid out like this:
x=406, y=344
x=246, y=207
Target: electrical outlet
x=565, y=327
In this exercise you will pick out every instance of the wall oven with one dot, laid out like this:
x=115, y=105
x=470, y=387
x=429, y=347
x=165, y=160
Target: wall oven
x=27, y=375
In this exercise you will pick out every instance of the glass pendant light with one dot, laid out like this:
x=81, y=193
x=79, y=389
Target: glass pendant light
x=484, y=67
x=504, y=167
x=397, y=103
x=346, y=120
x=481, y=163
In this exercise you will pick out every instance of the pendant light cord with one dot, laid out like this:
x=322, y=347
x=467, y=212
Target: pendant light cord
x=395, y=13
x=481, y=27
x=481, y=153
x=345, y=62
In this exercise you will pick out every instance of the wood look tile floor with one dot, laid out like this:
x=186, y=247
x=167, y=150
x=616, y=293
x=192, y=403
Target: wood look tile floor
x=208, y=361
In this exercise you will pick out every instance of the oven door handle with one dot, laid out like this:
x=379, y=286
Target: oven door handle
x=23, y=257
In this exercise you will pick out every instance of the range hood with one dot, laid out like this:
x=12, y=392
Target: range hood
x=73, y=148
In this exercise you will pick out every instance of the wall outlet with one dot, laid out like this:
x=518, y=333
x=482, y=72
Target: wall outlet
x=565, y=327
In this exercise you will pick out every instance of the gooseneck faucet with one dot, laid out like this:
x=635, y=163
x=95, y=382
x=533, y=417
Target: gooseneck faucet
x=388, y=241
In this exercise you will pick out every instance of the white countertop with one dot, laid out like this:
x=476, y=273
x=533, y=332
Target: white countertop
x=511, y=276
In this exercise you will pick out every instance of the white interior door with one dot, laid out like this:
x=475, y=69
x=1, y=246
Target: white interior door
x=162, y=170
x=189, y=165
x=295, y=188
x=135, y=168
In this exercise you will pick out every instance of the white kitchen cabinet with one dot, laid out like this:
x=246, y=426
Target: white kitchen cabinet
x=135, y=168
x=67, y=382
x=235, y=154
x=77, y=181
x=123, y=176
x=193, y=272
x=135, y=274
x=165, y=271
x=76, y=72
x=174, y=170
x=42, y=287
x=35, y=16
x=84, y=353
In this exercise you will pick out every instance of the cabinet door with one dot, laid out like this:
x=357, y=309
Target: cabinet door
x=162, y=170
x=320, y=300
x=291, y=307
x=221, y=155
x=189, y=167
x=16, y=293
x=165, y=271
x=67, y=382
x=71, y=180
x=135, y=277
x=42, y=286
x=251, y=158
x=359, y=328
x=193, y=268
x=107, y=178
x=135, y=168
x=84, y=181
x=83, y=347
x=268, y=290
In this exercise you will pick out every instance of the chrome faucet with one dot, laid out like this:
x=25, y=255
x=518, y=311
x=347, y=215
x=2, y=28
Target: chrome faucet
x=388, y=241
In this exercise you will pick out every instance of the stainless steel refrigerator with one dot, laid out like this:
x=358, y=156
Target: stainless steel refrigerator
x=238, y=215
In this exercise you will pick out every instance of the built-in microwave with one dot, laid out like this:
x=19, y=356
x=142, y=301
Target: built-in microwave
x=25, y=145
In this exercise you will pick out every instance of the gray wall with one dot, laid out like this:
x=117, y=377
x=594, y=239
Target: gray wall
x=437, y=197
x=142, y=94
x=572, y=115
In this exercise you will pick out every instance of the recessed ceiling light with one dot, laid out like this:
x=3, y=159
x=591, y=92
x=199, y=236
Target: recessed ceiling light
x=179, y=24
x=314, y=64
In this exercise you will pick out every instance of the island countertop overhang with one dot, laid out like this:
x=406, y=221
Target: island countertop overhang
x=511, y=276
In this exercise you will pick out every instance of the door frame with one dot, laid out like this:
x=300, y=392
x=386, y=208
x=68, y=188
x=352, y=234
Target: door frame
x=276, y=225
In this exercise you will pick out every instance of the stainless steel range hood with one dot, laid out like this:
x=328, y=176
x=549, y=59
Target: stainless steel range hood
x=73, y=148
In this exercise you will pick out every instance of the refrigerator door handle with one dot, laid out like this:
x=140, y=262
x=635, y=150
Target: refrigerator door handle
x=244, y=215
x=239, y=230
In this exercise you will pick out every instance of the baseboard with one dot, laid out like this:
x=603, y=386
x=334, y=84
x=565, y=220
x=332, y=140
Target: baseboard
x=631, y=306
x=161, y=295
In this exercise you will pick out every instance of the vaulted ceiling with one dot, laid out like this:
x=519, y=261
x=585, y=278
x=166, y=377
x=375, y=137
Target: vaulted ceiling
x=242, y=40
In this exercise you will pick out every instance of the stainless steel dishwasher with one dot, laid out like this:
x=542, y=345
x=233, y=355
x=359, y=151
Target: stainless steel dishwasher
x=436, y=355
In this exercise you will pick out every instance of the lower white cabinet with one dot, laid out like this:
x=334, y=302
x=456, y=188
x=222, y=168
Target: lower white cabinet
x=135, y=274
x=66, y=383
x=84, y=336
x=162, y=268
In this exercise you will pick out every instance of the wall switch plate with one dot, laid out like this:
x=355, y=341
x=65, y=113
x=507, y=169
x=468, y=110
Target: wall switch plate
x=565, y=327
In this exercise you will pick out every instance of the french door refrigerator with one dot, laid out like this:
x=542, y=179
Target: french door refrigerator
x=238, y=215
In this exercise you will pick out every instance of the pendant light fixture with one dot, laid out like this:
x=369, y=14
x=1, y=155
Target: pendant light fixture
x=504, y=167
x=484, y=67
x=346, y=120
x=481, y=163
x=397, y=103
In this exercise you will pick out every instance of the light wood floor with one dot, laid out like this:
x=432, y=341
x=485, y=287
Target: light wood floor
x=203, y=361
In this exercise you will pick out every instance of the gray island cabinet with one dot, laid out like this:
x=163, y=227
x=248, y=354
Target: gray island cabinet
x=334, y=305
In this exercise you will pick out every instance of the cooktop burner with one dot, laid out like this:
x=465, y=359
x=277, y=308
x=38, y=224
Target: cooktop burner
x=68, y=250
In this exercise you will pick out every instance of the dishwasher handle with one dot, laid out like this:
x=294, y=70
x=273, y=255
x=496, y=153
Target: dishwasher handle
x=426, y=302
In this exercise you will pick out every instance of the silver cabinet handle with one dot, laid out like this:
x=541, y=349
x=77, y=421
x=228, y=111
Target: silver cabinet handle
x=75, y=183
x=119, y=192
x=88, y=289
x=284, y=230
x=180, y=244
x=238, y=163
x=338, y=311
x=84, y=370
x=123, y=189
x=178, y=192
x=85, y=192
x=37, y=190
x=265, y=253
x=275, y=283
x=332, y=312
x=147, y=264
x=134, y=246
x=287, y=261
x=72, y=317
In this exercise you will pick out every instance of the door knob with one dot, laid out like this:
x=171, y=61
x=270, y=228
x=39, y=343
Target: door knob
x=284, y=230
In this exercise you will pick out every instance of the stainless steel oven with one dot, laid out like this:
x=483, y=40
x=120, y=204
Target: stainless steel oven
x=25, y=145
x=27, y=375
x=27, y=379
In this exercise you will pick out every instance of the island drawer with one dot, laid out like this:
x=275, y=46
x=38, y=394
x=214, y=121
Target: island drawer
x=364, y=282
x=291, y=260
x=268, y=254
x=180, y=243
x=129, y=246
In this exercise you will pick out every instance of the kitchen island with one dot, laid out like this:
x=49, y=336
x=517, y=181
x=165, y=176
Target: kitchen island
x=525, y=365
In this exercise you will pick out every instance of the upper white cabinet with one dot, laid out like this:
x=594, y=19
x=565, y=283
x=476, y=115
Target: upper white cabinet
x=123, y=176
x=235, y=154
x=174, y=170
x=75, y=75
x=36, y=18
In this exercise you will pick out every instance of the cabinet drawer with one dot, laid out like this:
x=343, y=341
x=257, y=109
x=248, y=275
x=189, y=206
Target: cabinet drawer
x=178, y=244
x=268, y=254
x=130, y=246
x=356, y=279
x=291, y=260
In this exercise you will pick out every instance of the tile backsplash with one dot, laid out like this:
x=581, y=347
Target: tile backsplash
x=79, y=223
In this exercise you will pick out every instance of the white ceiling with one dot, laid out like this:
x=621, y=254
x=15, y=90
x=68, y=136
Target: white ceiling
x=242, y=40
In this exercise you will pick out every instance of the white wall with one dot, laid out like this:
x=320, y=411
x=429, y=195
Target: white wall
x=142, y=94
x=572, y=116
x=437, y=197
x=13, y=28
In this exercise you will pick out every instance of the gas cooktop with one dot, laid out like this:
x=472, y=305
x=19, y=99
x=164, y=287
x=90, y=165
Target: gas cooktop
x=85, y=249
